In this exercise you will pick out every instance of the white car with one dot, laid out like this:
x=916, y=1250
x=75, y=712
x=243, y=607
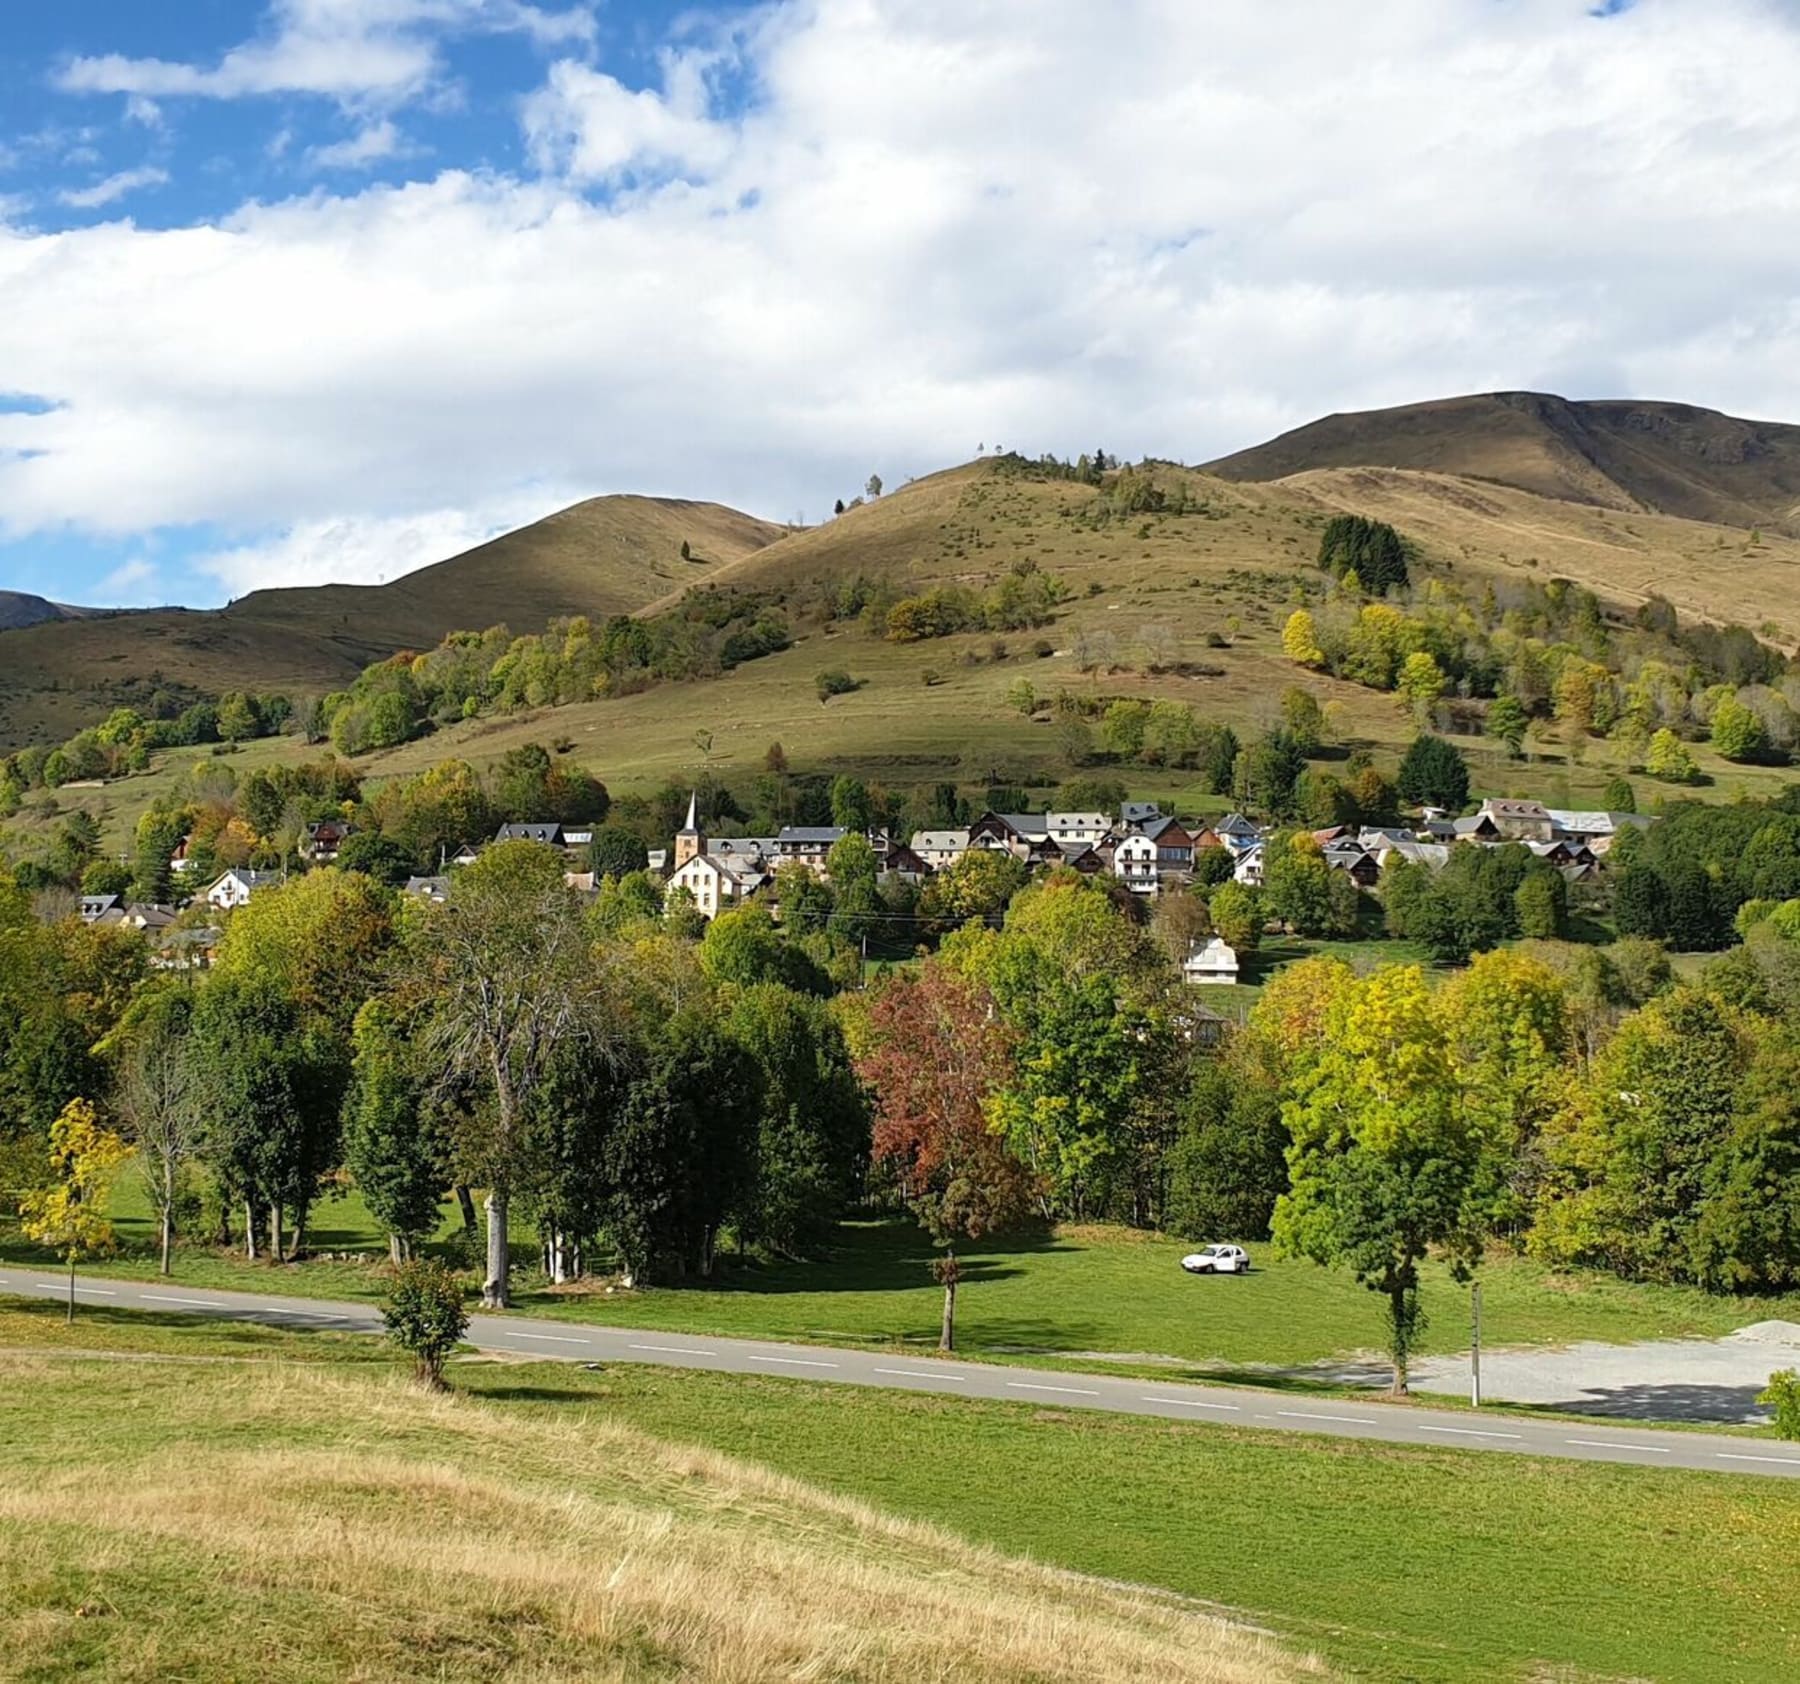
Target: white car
x=1217, y=1260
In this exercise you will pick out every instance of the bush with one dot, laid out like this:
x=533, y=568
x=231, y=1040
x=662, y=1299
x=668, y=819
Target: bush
x=425, y=1316
x=834, y=682
x=1783, y=1396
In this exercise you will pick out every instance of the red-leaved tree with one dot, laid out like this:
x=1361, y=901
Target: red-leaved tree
x=936, y=1050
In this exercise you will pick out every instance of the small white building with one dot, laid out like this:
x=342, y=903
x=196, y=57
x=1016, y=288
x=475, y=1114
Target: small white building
x=238, y=884
x=940, y=848
x=1249, y=867
x=717, y=884
x=1213, y=963
x=1086, y=828
x=1134, y=864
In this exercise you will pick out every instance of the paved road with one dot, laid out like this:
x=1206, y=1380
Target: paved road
x=1341, y=1418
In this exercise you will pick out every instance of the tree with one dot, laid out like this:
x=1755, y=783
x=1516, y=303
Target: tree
x=851, y=808
x=505, y=967
x=391, y=1144
x=158, y=1098
x=1667, y=758
x=1237, y=915
x=375, y=856
x=1228, y=1161
x=1507, y=721
x=834, y=681
x=1542, y=904
x=1434, y=774
x=1296, y=887
x=1619, y=796
x=1265, y=774
x=70, y=1214
x=616, y=852
x=978, y=885
x=935, y=1051
x=872, y=489
x=1384, y=1158
x=1737, y=733
x=1300, y=640
x=1021, y=697
x=424, y=1315
x=1181, y=922
x=1420, y=682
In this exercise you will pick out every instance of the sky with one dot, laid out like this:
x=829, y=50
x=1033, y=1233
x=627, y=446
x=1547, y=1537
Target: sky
x=307, y=290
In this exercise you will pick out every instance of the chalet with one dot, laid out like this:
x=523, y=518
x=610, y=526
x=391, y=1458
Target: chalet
x=467, y=854
x=1482, y=828
x=1236, y=832
x=1356, y=862
x=1014, y=833
x=235, y=888
x=1519, y=821
x=1212, y=964
x=1135, y=814
x=551, y=835
x=1249, y=867
x=899, y=861
x=138, y=915
x=96, y=907
x=434, y=889
x=1174, y=844
x=1086, y=858
x=1085, y=828
x=809, y=843
x=940, y=848
x=1134, y=864
x=320, y=842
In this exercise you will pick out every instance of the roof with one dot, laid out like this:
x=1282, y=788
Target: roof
x=1502, y=807
x=940, y=841
x=741, y=847
x=1076, y=821
x=1216, y=955
x=1026, y=824
x=692, y=827
x=812, y=833
x=1135, y=812
x=1474, y=826
x=432, y=888
x=93, y=906
x=532, y=831
x=1235, y=824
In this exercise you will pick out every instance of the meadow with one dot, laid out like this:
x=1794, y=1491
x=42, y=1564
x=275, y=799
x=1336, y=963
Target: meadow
x=179, y=1496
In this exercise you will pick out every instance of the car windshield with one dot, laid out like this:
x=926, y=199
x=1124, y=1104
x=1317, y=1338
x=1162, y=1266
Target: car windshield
x=1213, y=1251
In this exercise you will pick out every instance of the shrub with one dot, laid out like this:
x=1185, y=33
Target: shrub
x=1043, y=648
x=425, y=1316
x=834, y=682
x=1783, y=1396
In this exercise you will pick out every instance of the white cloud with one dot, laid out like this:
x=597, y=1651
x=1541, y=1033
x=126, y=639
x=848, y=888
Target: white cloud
x=113, y=187
x=382, y=51
x=132, y=584
x=1152, y=225
x=372, y=550
x=145, y=112
x=372, y=144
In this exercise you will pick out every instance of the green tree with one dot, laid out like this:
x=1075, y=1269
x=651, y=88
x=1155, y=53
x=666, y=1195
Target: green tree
x=1296, y=887
x=1619, y=796
x=851, y=808
x=425, y=1316
x=1507, y=722
x=1542, y=905
x=157, y=1096
x=1228, y=1161
x=1667, y=758
x=978, y=885
x=1384, y=1157
x=70, y=1215
x=1420, y=682
x=1123, y=726
x=1434, y=774
x=1237, y=915
x=392, y=1145
x=1737, y=733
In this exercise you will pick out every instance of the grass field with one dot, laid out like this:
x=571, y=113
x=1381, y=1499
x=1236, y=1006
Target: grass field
x=1111, y=1296
x=283, y=1494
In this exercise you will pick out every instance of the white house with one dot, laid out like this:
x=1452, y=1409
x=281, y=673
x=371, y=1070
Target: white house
x=1213, y=963
x=717, y=883
x=236, y=887
x=940, y=848
x=1086, y=828
x=1249, y=867
x=1134, y=864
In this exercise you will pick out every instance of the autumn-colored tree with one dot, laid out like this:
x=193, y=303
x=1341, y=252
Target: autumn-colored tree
x=70, y=1213
x=934, y=1051
x=1300, y=640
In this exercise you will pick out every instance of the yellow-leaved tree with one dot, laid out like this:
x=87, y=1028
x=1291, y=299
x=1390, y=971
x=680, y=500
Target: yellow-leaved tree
x=1300, y=640
x=71, y=1213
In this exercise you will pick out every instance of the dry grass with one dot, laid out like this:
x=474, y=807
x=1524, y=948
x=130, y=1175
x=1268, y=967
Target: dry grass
x=322, y=1524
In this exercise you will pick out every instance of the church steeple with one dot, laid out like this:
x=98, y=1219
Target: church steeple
x=688, y=840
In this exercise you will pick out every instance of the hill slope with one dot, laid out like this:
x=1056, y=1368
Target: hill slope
x=609, y=555
x=1668, y=458
x=213, y=1519
x=21, y=608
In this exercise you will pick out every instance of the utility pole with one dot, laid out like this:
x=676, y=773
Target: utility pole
x=1475, y=1348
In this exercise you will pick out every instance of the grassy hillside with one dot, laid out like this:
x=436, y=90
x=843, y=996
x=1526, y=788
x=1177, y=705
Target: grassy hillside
x=213, y=1518
x=280, y=1492
x=1218, y=581
x=608, y=555
x=1665, y=457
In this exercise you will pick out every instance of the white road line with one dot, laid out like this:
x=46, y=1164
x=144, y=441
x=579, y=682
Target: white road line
x=554, y=1338
x=1190, y=1403
x=674, y=1350
x=63, y=1287
x=923, y=1374
x=165, y=1298
x=1614, y=1444
x=1070, y=1391
x=1309, y=1415
x=1783, y=1461
x=1468, y=1432
x=311, y=1315
x=795, y=1362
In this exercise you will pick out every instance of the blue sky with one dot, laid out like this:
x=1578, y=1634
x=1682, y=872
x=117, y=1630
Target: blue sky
x=295, y=290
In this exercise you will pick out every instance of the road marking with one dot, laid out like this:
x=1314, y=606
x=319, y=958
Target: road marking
x=63, y=1286
x=923, y=1374
x=1467, y=1432
x=1782, y=1461
x=796, y=1362
x=1309, y=1415
x=1070, y=1391
x=554, y=1338
x=1614, y=1444
x=1190, y=1403
x=674, y=1350
x=311, y=1315
x=165, y=1298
